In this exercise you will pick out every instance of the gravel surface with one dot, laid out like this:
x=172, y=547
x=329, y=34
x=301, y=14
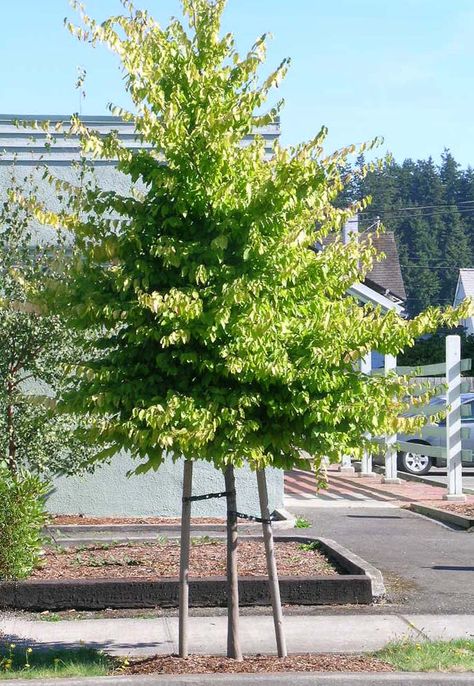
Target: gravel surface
x=465, y=509
x=161, y=559
x=205, y=664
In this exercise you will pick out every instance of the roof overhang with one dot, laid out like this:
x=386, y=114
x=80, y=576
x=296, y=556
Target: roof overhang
x=366, y=294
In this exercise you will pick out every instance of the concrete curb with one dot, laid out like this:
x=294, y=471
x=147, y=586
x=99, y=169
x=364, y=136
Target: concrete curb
x=100, y=594
x=355, y=564
x=445, y=516
x=284, y=519
x=360, y=584
x=108, y=533
x=282, y=678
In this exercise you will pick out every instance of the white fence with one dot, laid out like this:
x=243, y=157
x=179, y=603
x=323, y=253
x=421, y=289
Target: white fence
x=452, y=432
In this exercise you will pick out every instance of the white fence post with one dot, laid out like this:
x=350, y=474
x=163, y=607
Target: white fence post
x=366, y=468
x=391, y=476
x=453, y=419
x=346, y=465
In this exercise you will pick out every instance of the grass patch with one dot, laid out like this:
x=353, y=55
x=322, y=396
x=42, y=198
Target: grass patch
x=430, y=656
x=48, y=616
x=27, y=663
x=302, y=523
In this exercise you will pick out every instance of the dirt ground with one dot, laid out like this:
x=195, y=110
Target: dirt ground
x=204, y=664
x=464, y=509
x=84, y=519
x=161, y=559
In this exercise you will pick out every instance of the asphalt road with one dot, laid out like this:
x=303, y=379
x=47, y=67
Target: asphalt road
x=427, y=566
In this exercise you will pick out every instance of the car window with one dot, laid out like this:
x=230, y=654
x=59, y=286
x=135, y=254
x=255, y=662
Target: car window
x=467, y=411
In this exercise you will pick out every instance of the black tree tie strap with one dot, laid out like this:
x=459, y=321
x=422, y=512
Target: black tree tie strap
x=208, y=496
x=252, y=518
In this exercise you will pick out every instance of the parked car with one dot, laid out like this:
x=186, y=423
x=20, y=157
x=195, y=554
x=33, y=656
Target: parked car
x=414, y=461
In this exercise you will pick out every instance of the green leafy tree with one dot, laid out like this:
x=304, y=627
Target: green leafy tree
x=418, y=257
x=219, y=332
x=456, y=251
x=34, y=350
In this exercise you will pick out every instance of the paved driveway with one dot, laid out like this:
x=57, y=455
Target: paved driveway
x=427, y=567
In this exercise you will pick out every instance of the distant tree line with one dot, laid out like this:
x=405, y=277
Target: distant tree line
x=430, y=208
x=432, y=349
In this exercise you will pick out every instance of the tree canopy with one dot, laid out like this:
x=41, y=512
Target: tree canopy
x=220, y=332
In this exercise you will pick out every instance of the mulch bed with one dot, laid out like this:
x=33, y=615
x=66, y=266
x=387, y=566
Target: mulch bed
x=84, y=519
x=463, y=509
x=161, y=559
x=205, y=664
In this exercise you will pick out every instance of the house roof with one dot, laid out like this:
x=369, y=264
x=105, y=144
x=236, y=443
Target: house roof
x=387, y=274
x=26, y=147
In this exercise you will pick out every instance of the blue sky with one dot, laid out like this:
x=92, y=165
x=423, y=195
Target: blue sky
x=402, y=69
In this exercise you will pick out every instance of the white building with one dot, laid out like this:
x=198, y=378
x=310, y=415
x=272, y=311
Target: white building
x=465, y=289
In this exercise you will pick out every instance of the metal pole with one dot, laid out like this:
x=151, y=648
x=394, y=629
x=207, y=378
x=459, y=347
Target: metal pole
x=391, y=476
x=271, y=564
x=453, y=419
x=184, y=558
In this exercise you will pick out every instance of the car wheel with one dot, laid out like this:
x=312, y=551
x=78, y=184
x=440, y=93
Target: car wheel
x=414, y=462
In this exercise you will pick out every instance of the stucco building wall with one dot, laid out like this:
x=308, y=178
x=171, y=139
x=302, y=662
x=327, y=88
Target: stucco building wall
x=108, y=491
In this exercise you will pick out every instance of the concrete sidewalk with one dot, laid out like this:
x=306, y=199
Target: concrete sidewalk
x=207, y=635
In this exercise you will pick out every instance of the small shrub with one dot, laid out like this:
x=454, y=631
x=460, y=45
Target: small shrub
x=22, y=517
x=309, y=547
x=302, y=523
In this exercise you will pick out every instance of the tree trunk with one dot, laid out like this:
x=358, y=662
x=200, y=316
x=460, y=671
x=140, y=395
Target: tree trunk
x=184, y=559
x=11, y=456
x=271, y=564
x=233, y=638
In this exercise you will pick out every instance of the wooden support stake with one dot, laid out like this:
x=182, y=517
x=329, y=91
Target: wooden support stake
x=271, y=564
x=184, y=558
x=233, y=637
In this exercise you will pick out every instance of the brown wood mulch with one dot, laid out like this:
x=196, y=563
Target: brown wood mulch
x=85, y=519
x=161, y=559
x=464, y=509
x=205, y=664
